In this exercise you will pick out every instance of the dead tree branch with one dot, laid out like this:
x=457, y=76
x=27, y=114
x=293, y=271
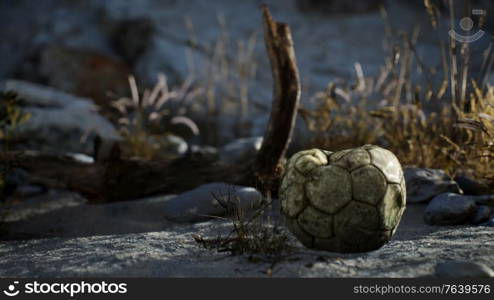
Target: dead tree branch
x=286, y=98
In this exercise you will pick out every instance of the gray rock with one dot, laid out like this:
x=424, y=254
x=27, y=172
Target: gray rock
x=15, y=177
x=174, y=146
x=449, y=209
x=489, y=223
x=85, y=72
x=425, y=184
x=241, y=149
x=200, y=203
x=25, y=191
x=59, y=121
x=455, y=269
x=42, y=204
x=207, y=153
x=470, y=186
x=81, y=157
x=66, y=214
x=482, y=214
x=168, y=147
x=487, y=200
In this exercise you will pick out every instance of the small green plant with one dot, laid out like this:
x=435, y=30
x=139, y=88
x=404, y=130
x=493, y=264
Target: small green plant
x=253, y=232
x=11, y=117
x=145, y=119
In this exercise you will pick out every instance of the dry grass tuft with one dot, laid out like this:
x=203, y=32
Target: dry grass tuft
x=218, y=87
x=253, y=232
x=145, y=119
x=11, y=117
x=226, y=69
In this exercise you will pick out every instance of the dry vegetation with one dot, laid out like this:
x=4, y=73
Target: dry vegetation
x=228, y=68
x=11, y=117
x=146, y=119
x=254, y=232
x=429, y=117
x=218, y=84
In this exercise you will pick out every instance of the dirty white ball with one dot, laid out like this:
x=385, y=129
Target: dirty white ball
x=347, y=201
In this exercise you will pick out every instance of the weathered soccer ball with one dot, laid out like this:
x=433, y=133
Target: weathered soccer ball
x=347, y=201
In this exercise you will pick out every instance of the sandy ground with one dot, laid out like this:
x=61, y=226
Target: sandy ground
x=172, y=252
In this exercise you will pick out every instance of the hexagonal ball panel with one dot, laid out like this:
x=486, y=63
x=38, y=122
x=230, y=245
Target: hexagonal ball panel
x=291, y=162
x=357, y=223
x=290, y=177
x=292, y=186
x=387, y=162
x=293, y=200
x=329, y=189
x=392, y=207
x=403, y=192
x=310, y=160
x=306, y=239
x=338, y=155
x=316, y=223
x=369, y=185
x=354, y=159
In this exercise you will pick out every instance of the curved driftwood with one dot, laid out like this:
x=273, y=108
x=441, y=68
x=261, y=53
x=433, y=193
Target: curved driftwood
x=286, y=98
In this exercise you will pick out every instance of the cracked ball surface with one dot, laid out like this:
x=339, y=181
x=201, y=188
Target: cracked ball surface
x=347, y=201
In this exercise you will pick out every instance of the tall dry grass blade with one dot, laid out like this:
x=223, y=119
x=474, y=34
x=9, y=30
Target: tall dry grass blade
x=453, y=56
x=465, y=54
x=489, y=66
x=134, y=90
